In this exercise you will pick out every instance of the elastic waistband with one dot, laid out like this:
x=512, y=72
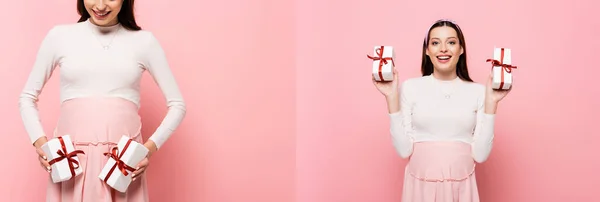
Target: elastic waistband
x=94, y=143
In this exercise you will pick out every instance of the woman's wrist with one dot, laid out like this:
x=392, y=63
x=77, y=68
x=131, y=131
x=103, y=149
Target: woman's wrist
x=40, y=141
x=393, y=103
x=151, y=146
x=491, y=107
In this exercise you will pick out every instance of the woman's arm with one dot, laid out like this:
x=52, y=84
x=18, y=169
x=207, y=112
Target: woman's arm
x=400, y=112
x=483, y=135
x=41, y=72
x=158, y=67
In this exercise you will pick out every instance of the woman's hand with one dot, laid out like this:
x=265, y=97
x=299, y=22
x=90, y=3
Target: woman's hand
x=141, y=168
x=143, y=165
x=41, y=155
x=387, y=88
x=493, y=97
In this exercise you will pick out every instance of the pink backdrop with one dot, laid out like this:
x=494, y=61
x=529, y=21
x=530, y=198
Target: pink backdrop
x=281, y=107
x=546, y=146
x=237, y=142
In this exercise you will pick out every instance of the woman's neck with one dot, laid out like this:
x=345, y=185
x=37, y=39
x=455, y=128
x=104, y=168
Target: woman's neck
x=444, y=76
x=102, y=30
x=111, y=24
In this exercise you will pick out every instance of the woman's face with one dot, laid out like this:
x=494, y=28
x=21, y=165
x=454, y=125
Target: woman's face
x=103, y=12
x=444, y=49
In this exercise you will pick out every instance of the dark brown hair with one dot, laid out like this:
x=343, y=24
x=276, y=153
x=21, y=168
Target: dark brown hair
x=126, y=16
x=461, y=67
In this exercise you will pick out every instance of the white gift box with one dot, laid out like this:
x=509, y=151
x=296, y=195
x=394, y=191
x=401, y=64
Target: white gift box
x=502, y=76
x=64, y=161
x=129, y=153
x=383, y=71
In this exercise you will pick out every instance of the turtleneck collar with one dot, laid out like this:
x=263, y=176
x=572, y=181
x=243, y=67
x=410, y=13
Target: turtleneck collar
x=455, y=80
x=102, y=29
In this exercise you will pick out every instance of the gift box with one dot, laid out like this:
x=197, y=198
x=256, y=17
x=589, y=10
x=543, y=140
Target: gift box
x=62, y=157
x=502, y=69
x=121, y=163
x=383, y=63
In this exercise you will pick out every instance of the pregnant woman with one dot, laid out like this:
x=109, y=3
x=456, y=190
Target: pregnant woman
x=443, y=121
x=101, y=60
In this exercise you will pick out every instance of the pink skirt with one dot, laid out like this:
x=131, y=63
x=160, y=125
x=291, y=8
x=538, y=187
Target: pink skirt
x=440, y=172
x=95, y=126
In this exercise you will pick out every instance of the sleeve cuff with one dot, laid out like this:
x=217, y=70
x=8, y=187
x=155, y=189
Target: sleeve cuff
x=489, y=117
x=395, y=115
x=158, y=143
x=32, y=139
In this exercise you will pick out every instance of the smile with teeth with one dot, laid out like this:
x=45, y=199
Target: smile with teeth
x=101, y=14
x=444, y=57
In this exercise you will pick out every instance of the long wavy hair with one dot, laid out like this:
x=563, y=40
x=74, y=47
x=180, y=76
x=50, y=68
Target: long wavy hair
x=461, y=67
x=126, y=16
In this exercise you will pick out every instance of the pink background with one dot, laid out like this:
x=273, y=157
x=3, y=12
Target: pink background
x=237, y=142
x=281, y=106
x=546, y=146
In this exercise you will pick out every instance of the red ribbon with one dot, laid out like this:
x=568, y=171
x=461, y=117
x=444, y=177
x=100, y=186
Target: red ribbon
x=381, y=59
x=62, y=153
x=505, y=67
x=119, y=163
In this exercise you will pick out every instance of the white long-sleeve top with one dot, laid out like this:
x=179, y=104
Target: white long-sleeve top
x=439, y=110
x=88, y=69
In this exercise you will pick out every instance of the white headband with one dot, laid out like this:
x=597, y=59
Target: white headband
x=438, y=21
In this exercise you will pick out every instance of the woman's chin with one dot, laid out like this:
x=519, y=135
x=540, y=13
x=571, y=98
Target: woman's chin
x=443, y=67
x=102, y=21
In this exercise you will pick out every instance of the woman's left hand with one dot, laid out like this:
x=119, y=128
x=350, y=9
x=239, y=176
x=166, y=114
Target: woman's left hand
x=141, y=167
x=495, y=95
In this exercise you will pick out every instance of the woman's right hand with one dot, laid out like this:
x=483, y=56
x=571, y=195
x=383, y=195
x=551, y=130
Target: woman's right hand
x=41, y=155
x=388, y=88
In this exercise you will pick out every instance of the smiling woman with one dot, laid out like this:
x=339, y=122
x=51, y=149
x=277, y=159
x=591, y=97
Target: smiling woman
x=443, y=120
x=108, y=13
x=100, y=99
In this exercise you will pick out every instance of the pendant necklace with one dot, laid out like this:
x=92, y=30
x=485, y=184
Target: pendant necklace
x=107, y=47
x=447, y=93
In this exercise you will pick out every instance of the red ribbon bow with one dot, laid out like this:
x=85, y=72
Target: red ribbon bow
x=381, y=59
x=506, y=67
x=62, y=153
x=119, y=163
